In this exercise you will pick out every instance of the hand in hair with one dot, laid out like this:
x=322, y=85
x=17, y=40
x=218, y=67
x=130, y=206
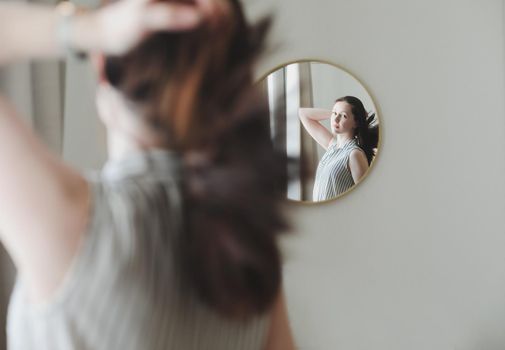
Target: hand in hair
x=126, y=22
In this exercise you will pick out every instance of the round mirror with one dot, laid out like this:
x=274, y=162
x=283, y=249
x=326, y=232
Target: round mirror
x=326, y=124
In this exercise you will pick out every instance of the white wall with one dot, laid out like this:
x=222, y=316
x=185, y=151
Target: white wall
x=414, y=258
x=330, y=83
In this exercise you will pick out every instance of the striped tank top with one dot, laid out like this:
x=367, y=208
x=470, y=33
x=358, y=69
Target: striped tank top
x=124, y=289
x=333, y=176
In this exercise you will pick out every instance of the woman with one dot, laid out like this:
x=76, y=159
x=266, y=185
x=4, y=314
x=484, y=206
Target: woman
x=172, y=245
x=349, y=145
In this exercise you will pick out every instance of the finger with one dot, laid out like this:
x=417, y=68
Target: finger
x=162, y=16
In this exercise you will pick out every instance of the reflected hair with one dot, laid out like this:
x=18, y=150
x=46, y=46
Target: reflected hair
x=367, y=129
x=197, y=88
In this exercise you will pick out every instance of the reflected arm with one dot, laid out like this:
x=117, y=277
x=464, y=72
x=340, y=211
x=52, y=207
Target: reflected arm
x=311, y=118
x=358, y=165
x=44, y=203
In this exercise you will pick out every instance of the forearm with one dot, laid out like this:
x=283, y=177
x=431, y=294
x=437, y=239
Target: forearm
x=315, y=114
x=311, y=120
x=358, y=165
x=32, y=31
x=27, y=30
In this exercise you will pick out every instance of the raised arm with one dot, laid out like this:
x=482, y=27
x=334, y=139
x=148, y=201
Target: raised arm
x=311, y=118
x=358, y=165
x=30, y=31
x=45, y=204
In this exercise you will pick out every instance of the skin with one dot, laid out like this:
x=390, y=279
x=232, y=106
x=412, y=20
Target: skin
x=43, y=216
x=113, y=29
x=342, y=125
x=280, y=335
x=46, y=204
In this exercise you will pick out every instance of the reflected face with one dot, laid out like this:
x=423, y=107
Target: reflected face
x=342, y=120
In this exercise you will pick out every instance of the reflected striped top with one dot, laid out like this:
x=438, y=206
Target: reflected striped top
x=124, y=290
x=333, y=176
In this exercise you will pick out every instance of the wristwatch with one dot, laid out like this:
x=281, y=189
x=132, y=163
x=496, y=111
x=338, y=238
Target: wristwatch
x=67, y=12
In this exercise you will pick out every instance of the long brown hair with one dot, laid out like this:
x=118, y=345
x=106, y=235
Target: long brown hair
x=367, y=131
x=197, y=87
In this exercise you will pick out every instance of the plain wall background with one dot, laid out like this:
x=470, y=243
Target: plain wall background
x=414, y=258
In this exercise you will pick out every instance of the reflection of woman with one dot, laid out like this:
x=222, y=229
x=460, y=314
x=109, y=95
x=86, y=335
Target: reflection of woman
x=172, y=245
x=349, y=145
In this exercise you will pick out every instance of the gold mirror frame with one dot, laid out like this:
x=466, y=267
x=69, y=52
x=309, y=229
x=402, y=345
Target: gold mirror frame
x=378, y=114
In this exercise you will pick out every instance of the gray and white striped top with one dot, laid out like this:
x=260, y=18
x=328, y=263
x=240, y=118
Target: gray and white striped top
x=333, y=176
x=124, y=289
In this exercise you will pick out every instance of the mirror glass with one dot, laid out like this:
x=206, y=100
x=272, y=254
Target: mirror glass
x=326, y=124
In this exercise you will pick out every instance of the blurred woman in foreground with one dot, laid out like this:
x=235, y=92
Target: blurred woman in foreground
x=173, y=244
